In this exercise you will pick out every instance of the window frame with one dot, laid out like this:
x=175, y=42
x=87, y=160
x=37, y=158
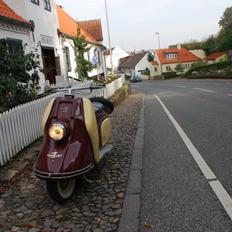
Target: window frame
x=47, y=5
x=14, y=42
x=36, y=2
x=99, y=57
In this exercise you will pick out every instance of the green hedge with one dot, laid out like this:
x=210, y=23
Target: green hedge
x=208, y=68
x=212, y=75
x=170, y=75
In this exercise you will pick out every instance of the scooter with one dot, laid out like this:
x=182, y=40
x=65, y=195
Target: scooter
x=76, y=138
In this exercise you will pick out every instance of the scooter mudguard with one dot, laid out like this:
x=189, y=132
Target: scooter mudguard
x=73, y=154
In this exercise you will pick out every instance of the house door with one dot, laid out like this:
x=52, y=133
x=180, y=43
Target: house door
x=49, y=64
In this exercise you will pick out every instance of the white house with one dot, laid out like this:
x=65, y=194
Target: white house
x=170, y=59
x=15, y=29
x=42, y=15
x=92, y=32
x=117, y=54
x=134, y=65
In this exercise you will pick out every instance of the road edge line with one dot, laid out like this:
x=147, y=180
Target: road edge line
x=213, y=181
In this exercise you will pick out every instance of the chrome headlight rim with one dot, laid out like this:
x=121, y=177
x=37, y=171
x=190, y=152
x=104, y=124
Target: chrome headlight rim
x=54, y=126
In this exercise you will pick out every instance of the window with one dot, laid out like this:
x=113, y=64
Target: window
x=58, y=69
x=168, y=69
x=171, y=55
x=14, y=46
x=99, y=57
x=47, y=5
x=35, y=2
x=68, y=63
x=155, y=69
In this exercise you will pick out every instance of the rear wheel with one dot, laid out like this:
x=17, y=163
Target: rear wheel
x=60, y=191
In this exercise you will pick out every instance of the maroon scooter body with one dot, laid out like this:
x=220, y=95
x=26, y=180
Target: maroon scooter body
x=73, y=155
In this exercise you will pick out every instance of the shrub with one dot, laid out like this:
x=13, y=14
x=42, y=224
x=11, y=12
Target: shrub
x=169, y=75
x=216, y=67
x=19, y=77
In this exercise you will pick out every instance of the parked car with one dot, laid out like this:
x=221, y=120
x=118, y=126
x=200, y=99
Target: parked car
x=135, y=79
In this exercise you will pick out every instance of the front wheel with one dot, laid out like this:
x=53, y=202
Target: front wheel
x=60, y=191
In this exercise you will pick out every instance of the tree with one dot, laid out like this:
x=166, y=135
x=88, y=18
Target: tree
x=225, y=34
x=81, y=47
x=226, y=19
x=19, y=77
x=225, y=40
x=210, y=44
x=150, y=57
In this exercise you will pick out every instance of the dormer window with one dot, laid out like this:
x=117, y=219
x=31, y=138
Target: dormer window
x=35, y=2
x=171, y=56
x=47, y=5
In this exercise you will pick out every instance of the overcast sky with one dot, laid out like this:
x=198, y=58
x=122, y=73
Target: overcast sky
x=133, y=23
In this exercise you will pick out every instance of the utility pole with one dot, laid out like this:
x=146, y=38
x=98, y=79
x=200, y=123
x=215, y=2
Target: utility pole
x=108, y=29
x=158, y=35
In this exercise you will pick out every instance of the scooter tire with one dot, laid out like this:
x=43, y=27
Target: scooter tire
x=58, y=193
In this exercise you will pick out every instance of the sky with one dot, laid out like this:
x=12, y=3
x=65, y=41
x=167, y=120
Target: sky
x=134, y=23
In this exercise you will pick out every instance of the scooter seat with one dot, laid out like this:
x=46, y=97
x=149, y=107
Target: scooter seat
x=102, y=104
x=98, y=106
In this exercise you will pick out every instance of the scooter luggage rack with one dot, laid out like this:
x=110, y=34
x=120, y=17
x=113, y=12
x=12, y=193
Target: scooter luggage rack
x=79, y=90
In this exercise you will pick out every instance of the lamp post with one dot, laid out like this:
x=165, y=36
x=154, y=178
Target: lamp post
x=158, y=35
x=108, y=29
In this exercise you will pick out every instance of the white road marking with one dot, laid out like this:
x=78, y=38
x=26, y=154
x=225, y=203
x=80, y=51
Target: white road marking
x=230, y=95
x=209, y=175
x=215, y=184
x=179, y=86
x=223, y=196
x=205, y=90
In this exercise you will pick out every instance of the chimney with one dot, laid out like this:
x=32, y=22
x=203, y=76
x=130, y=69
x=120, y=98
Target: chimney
x=179, y=46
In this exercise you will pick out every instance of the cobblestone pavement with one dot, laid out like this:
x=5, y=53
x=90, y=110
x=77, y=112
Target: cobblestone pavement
x=96, y=204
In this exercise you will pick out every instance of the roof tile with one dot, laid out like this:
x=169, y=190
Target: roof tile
x=93, y=27
x=154, y=62
x=183, y=55
x=7, y=12
x=215, y=55
x=69, y=26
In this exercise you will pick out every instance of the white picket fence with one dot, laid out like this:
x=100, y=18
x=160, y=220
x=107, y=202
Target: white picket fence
x=110, y=89
x=21, y=126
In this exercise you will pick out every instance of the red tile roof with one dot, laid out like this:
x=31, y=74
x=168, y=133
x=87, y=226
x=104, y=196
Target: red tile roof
x=154, y=62
x=69, y=26
x=183, y=56
x=8, y=13
x=94, y=28
x=215, y=55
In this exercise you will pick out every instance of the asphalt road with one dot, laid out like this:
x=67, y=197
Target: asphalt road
x=176, y=194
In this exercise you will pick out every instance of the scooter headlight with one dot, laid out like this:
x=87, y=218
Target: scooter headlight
x=57, y=131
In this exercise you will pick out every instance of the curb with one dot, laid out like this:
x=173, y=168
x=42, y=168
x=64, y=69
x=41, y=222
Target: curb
x=129, y=221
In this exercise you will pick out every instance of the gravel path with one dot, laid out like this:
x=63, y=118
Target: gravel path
x=95, y=206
